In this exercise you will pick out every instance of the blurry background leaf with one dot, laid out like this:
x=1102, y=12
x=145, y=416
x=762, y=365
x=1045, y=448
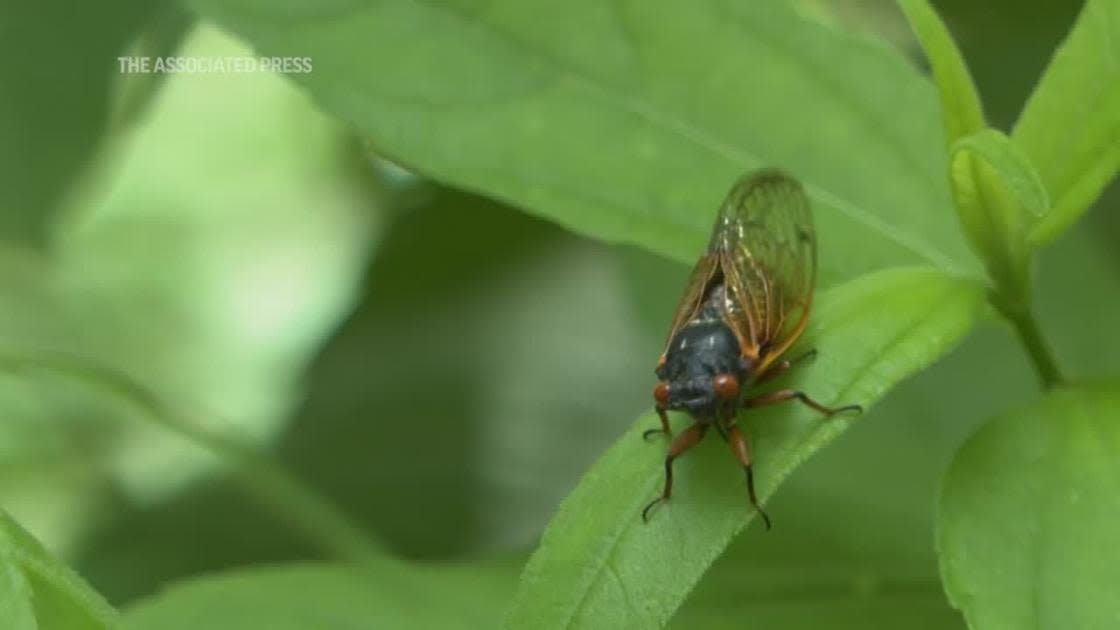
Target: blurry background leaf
x=599, y=566
x=594, y=115
x=474, y=382
x=327, y=597
x=1079, y=301
x=53, y=596
x=478, y=386
x=1070, y=127
x=1027, y=525
x=56, y=73
x=214, y=294
x=163, y=35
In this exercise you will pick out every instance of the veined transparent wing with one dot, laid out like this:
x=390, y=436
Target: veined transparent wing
x=767, y=249
x=698, y=282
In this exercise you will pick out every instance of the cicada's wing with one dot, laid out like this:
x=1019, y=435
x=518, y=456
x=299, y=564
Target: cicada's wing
x=767, y=248
x=701, y=276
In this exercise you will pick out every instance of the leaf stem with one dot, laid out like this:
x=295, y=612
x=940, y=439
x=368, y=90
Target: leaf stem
x=1026, y=327
x=290, y=499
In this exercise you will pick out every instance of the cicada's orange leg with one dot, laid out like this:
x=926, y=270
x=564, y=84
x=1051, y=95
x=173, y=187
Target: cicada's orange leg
x=743, y=454
x=783, y=395
x=664, y=425
x=661, y=397
x=686, y=440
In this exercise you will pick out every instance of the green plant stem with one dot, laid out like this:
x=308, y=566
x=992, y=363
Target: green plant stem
x=1026, y=327
x=300, y=506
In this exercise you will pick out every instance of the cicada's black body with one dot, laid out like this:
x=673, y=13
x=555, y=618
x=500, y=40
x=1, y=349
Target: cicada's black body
x=702, y=350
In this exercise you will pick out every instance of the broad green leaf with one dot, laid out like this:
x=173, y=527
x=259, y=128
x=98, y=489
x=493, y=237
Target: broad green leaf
x=324, y=597
x=493, y=453
x=997, y=194
x=1070, y=127
x=628, y=121
x=599, y=566
x=54, y=597
x=1027, y=526
x=161, y=37
x=962, y=114
x=57, y=65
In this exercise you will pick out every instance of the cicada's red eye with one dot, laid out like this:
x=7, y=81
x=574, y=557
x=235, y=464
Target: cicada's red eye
x=726, y=387
x=661, y=393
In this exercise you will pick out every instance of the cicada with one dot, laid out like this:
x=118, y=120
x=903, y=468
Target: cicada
x=747, y=301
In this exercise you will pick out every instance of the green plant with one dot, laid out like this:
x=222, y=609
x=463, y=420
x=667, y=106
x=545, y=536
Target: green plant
x=596, y=117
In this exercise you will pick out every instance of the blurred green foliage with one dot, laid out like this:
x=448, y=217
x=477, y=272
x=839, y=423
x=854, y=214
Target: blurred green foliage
x=56, y=75
x=214, y=294
x=314, y=596
x=443, y=366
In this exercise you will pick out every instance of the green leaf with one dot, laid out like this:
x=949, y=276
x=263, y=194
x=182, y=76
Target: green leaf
x=15, y=597
x=1011, y=165
x=1027, y=528
x=42, y=593
x=57, y=65
x=962, y=113
x=1070, y=127
x=628, y=121
x=599, y=566
x=331, y=598
x=997, y=194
